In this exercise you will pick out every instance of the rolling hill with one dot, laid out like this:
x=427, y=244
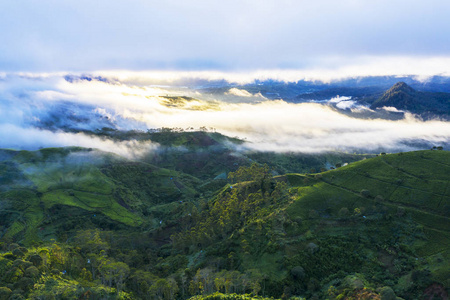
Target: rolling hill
x=80, y=223
x=55, y=191
x=379, y=222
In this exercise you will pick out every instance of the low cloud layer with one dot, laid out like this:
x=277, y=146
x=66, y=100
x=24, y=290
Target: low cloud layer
x=336, y=68
x=49, y=111
x=14, y=137
x=242, y=93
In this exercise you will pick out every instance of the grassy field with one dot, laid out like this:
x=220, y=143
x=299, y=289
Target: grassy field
x=410, y=185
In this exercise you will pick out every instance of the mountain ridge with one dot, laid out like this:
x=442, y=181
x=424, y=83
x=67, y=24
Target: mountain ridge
x=404, y=97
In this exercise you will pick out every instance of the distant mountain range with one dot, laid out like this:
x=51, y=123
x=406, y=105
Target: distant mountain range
x=355, y=87
x=404, y=97
x=354, y=92
x=401, y=96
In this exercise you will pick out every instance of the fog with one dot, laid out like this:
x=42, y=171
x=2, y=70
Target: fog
x=15, y=137
x=50, y=111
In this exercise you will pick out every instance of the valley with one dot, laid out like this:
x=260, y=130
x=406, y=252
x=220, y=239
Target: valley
x=205, y=221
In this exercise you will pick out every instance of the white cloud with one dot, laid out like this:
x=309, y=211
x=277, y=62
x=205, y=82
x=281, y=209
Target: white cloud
x=336, y=68
x=242, y=93
x=51, y=95
x=346, y=104
x=239, y=92
x=12, y=136
x=392, y=109
x=267, y=125
x=338, y=99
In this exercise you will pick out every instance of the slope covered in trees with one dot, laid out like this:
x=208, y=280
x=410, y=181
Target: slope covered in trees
x=78, y=223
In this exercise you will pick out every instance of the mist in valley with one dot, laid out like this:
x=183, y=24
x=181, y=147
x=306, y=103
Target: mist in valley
x=56, y=111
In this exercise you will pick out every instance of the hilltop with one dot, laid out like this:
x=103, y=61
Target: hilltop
x=404, y=97
x=401, y=96
x=381, y=221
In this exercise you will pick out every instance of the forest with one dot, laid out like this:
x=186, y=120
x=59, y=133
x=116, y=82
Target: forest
x=78, y=223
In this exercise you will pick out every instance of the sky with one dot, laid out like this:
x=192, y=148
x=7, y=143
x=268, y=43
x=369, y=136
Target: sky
x=383, y=36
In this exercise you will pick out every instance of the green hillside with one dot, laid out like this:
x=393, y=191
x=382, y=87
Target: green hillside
x=79, y=224
x=413, y=186
x=207, y=155
x=383, y=221
x=46, y=192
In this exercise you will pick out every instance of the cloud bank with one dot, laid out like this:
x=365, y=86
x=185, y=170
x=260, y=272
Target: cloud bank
x=337, y=68
x=15, y=137
x=54, y=112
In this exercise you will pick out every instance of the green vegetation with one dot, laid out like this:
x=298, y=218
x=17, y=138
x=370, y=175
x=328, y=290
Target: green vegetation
x=220, y=296
x=82, y=224
x=103, y=186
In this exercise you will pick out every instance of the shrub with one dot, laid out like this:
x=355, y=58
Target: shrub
x=312, y=248
x=32, y=272
x=298, y=272
x=353, y=282
x=4, y=293
x=13, y=246
x=24, y=283
x=400, y=211
x=343, y=212
x=36, y=260
x=387, y=293
x=313, y=214
x=365, y=193
x=379, y=198
x=13, y=275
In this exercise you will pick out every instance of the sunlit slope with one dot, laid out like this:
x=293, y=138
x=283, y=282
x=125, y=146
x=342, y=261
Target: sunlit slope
x=383, y=219
x=417, y=180
x=41, y=190
x=377, y=195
